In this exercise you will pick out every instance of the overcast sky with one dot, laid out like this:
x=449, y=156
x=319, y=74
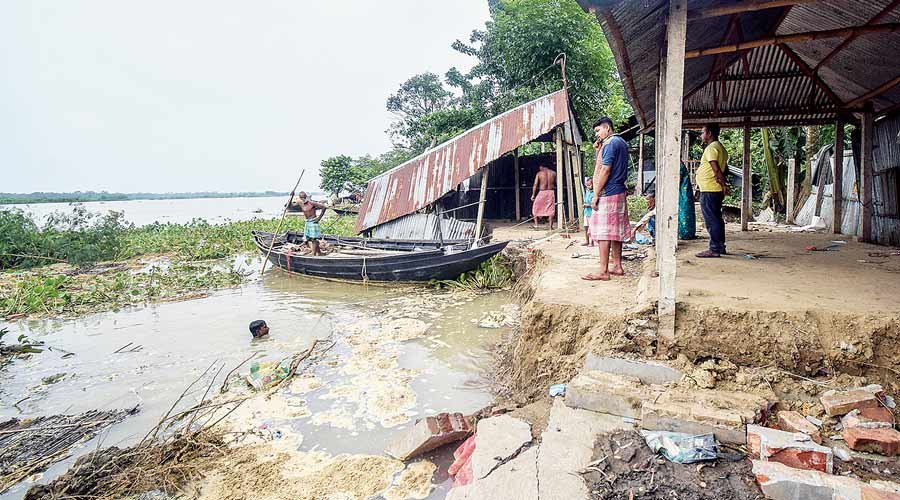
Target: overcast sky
x=207, y=95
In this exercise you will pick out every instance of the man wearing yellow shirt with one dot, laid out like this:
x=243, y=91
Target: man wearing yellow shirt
x=713, y=189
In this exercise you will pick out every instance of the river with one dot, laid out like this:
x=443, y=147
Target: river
x=443, y=367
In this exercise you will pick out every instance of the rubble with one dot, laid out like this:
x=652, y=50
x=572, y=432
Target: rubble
x=882, y=441
x=793, y=449
x=430, y=433
x=870, y=418
x=792, y=421
x=721, y=413
x=780, y=482
x=648, y=372
x=498, y=439
x=602, y=392
x=838, y=403
x=515, y=479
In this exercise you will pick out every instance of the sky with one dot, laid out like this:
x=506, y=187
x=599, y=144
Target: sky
x=207, y=95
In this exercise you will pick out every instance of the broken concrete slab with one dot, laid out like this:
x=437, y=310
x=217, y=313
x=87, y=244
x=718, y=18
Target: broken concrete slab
x=648, y=372
x=602, y=392
x=881, y=441
x=513, y=480
x=567, y=446
x=793, y=449
x=430, y=433
x=780, y=482
x=722, y=413
x=792, y=421
x=496, y=441
x=838, y=403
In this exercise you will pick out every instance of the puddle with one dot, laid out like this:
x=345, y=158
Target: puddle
x=400, y=353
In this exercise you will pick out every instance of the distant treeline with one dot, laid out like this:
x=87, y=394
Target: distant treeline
x=84, y=196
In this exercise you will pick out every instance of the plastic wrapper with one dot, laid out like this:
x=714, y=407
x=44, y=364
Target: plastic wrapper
x=681, y=448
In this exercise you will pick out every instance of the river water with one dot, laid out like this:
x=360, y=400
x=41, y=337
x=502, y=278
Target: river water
x=440, y=369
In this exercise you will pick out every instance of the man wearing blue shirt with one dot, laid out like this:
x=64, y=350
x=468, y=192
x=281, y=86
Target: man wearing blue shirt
x=609, y=222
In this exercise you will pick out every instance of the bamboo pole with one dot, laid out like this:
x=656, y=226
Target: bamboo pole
x=518, y=185
x=281, y=222
x=579, y=183
x=746, y=182
x=837, y=183
x=570, y=188
x=482, y=197
x=866, y=175
x=560, y=213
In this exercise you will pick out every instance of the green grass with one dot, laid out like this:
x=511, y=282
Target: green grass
x=637, y=207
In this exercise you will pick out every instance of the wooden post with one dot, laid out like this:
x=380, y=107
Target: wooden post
x=746, y=183
x=791, y=190
x=482, y=196
x=866, y=174
x=560, y=213
x=658, y=135
x=518, y=185
x=570, y=188
x=639, y=187
x=668, y=167
x=579, y=184
x=837, y=184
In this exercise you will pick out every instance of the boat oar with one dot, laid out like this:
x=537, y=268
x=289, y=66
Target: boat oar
x=281, y=222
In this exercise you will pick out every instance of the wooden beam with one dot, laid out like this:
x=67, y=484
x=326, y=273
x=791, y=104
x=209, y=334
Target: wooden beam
x=794, y=38
x=696, y=123
x=639, y=188
x=877, y=91
x=746, y=6
x=668, y=168
x=837, y=183
x=763, y=112
x=810, y=73
x=867, y=177
x=482, y=199
x=746, y=182
x=560, y=194
x=875, y=19
x=791, y=190
x=617, y=43
x=888, y=110
x=760, y=76
x=579, y=185
x=518, y=185
x=570, y=188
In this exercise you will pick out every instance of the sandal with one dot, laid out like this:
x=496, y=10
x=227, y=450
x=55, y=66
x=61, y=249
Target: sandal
x=708, y=254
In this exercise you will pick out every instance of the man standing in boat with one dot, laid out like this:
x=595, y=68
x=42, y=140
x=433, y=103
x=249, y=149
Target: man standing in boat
x=311, y=230
x=543, y=196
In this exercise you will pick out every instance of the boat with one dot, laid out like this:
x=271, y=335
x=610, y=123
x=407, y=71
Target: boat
x=370, y=259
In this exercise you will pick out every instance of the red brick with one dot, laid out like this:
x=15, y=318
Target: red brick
x=792, y=421
x=793, y=449
x=880, y=414
x=430, y=433
x=838, y=403
x=881, y=441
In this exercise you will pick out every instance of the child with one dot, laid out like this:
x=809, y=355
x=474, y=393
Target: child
x=588, y=211
x=259, y=328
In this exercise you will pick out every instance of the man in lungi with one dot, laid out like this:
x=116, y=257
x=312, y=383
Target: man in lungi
x=609, y=223
x=311, y=230
x=543, y=196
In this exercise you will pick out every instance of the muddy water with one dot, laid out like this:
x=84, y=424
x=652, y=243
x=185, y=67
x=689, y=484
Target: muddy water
x=400, y=353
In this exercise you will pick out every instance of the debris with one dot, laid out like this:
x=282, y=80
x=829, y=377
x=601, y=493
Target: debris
x=792, y=421
x=557, y=390
x=842, y=453
x=461, y=468
x=838, y=403
x=882, y=441
x=681, y=448
x=499, y=440
x=869, y=418
x=793, y=449
x=268, y=373
x=721, y=413
x=430, y=433
x=619, y=395
x=52, y=379
x=780, y=482
x=648, y=372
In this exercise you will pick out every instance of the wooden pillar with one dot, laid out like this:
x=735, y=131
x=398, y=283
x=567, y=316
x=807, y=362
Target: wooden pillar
x=791, y=190
x=579, y=184
x=518, y=185
x=837, y=184
x=668, y=166
x=866, y=174
x=639, y=187
x=659, y=133
x=482, y=196
x=570, y=188
x=560, y=213
x=746, y=183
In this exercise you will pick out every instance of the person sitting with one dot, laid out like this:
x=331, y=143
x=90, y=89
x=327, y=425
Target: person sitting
x=259, y=328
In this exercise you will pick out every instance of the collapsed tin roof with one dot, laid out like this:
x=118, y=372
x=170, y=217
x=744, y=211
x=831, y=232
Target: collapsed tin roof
x=426, y=178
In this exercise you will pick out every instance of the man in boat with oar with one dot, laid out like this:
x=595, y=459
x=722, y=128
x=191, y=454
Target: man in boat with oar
x=311, y=230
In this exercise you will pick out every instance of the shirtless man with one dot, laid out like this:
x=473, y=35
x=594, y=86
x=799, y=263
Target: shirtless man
x=311, y=230
x=543, y=196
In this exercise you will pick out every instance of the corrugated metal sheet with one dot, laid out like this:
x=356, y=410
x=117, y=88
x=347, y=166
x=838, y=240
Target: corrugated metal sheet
x=424, y=179
x=850, y=207
x=424, y=227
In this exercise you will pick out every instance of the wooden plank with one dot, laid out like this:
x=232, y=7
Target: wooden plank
x=668, y=167
x=865, y=184
x=746, y=6
x=639, y=187
x=560, y=213
x=570, y=188
x=837, y=185
x=579, y=183
x=794, y=38
x=482, y=198
x=518, y=185
x=791, y=191
x=746, y=182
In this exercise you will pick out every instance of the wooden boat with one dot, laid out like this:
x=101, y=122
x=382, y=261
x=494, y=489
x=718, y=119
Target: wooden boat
x=377, y=259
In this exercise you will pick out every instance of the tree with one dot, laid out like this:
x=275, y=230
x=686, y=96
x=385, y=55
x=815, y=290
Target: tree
x=420, y=95
x=343, y=173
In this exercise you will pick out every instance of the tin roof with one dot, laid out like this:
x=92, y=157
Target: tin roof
x=426, y=178
x=800, y=82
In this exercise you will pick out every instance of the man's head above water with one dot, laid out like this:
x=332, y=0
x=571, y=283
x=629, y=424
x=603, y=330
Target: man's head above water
x=259, y=328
